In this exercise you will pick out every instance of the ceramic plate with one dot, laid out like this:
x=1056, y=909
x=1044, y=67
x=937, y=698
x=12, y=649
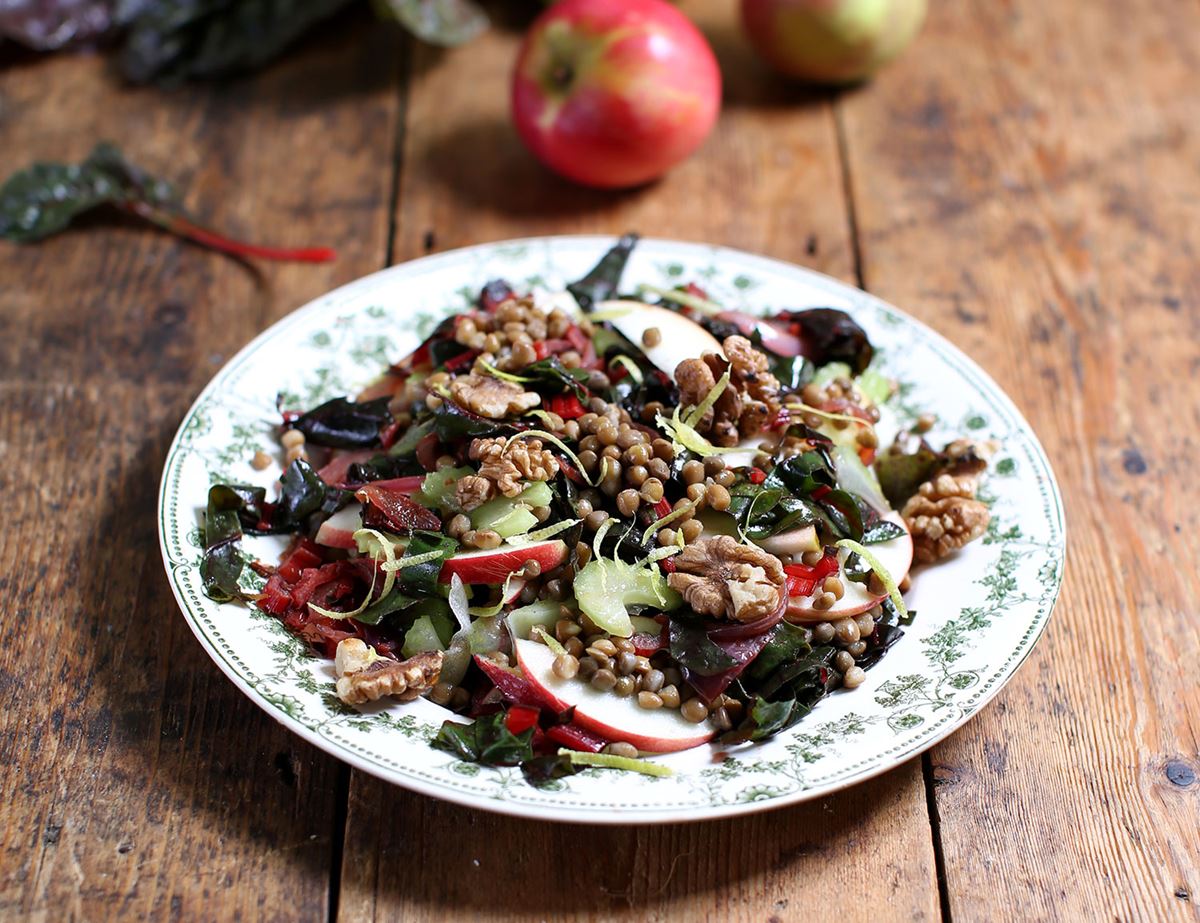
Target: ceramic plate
x=978, y=614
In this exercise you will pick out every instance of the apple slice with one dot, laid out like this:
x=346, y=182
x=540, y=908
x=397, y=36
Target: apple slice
x=606, y=713
x=895, y=555
x=495, y=564
x=679, y=337
x=338, y=530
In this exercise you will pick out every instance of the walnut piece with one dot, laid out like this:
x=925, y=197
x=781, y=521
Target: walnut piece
x=943, y=515
x=492, y=397
x=742, y=409
x=725, y=579
x=364, y=676
x=473, y=491
x=508, y=464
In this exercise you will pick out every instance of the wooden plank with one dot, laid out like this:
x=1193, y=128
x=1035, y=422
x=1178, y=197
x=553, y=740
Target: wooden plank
x=1026, y=181
x=768, y=180
x=139, y=782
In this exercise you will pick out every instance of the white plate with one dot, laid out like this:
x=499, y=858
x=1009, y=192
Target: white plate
x=978, y=614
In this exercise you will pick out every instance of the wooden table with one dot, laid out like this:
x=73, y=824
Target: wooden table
x=1026, y=180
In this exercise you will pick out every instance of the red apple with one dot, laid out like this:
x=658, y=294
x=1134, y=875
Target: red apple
x=661, y=730
x=831, y=41
x=338, y=530
x=613, y=93
x=494, y=565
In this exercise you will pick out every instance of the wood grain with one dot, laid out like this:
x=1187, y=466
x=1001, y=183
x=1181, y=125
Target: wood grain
x=768, y=180
x=139, y=783
x=1028, y=184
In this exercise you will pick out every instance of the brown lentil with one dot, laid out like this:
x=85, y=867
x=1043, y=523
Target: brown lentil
x=440, y=693
x=626, y=663
x=843, y=661
x=824, y=601
x=641, y=664
x=847, y=631
x=636, y=476
x=857, y=649
x=669, y=696
x=925, y=422
x=697, y=492
x=628, y=502
x=663, y=449
x=693, y=472
x=458, y=526
x=691, y=530
x=823, y=632
x=291, y=439
x=459, y=698
x=604, y=646
x=587, y=667
x=529, y=593
x=666, y=537
x=621, y=748
x=595, y=520
x=566, y=628
x=726, y=478
x=865, y=623
x=652, y=490
x=694, y=710
x=487, y=539
x=811, y=558
x=718, y=497
x=260, y=461
x=541, y=513
x=566, y=666
x=649, y=700
x=834, y=585
x=603, y=679
x=651, y=337
x=638, y=454
x=672, y=676
x=854, y=677
x=659, y=469
x=626, y=686
x=719, y=719
x=653, y=681
x=876, y=585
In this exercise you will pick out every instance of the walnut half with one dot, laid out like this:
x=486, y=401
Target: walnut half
x=491, y=397
x=943, y=515
x=725, y=579
x=364, y=676
x=507, y=464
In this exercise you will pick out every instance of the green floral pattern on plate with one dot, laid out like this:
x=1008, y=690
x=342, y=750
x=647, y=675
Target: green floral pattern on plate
x=979, y=613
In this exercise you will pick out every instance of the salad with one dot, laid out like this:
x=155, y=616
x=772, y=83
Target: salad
x=603, y=523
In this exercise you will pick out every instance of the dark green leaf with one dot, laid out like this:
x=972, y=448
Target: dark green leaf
x=423, y=578
x=901, y=474
x=602, y=281
x=692, y=648
x=543, y=769
x=169, y=41
x=395, y=601
x=553, y=372
x=829, y=335
x=452, y=423
x=487, y=741
x=439, y=22
x=302, y=493
x=883, y=530
x=45, y=198
x=344, y=424
x=223, y=562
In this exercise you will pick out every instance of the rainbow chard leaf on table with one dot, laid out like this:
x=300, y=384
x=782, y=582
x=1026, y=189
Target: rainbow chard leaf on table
x=47, y=197
x=170, y=41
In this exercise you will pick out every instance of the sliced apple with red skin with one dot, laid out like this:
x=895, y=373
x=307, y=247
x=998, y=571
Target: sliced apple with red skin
x=338, y=530
x=495, y=564
x=605, y=713
x=894, y=555
x=679, y=337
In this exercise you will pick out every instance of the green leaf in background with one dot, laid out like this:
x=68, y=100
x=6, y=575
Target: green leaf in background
x=439, y=22
x=169, y=41
x=44, y=198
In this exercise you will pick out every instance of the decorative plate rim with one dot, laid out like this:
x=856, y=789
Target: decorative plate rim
x=880, y=762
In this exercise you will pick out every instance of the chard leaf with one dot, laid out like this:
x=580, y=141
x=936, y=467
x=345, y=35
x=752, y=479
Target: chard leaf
x=551, y=371
x=829, y=335
x=900, y=474
x=543, y=769
x=693, y=649
x=46, y=197
x=344, y=424
x=223, y=562
x=882, y=531
x=452, y=423
x=602, y=282
x=487, y=741
x=394, y=602
x=423, y=578
x=302, y=493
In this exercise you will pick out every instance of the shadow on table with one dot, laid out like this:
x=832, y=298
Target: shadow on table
x=418, y=858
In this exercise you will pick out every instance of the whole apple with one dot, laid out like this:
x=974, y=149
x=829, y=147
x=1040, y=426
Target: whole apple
x=613, y=93
x=831, y=41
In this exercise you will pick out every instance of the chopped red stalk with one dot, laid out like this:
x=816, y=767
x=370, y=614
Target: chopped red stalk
x=757, y=475
x=177, y=224
x=567, y=406
x=573, y=737
x=521, y=718
x=579, y=340
x=866, y=455
x=390, y=508
x=275, y=597
x=305, y=555
x=540, y=350
x=667, y=566
x=662, y=508
x=646, y=644
x=781, y=419
x=693, y=289
x=462, y=360
x=820, y=491
x=427, y=452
